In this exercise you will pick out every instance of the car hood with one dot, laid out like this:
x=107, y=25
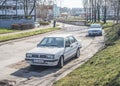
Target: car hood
x=91, y=29
x=46, y=50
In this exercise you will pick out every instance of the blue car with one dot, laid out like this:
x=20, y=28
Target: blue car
x=95, y=30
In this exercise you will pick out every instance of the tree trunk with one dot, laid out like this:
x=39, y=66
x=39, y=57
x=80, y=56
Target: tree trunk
x=118, y=12
x=105, y=12
x=92, y=11
x=95, y=12
x=98, y=9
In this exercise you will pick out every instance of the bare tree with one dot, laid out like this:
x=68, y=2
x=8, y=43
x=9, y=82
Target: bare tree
x=98, y=9
x=86, y=4
x=29, y=7
x=118, y=12
x=44, y=7
x=101, y=8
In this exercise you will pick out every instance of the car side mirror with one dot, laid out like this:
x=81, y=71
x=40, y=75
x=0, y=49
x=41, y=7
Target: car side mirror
x=68, y=45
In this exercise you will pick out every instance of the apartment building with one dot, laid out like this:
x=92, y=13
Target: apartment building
x=15, y=8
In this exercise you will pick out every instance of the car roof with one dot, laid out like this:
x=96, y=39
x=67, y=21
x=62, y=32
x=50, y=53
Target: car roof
x=60, y=35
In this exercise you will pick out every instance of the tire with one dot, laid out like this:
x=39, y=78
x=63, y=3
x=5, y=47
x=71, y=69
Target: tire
x=61, y=62
x=77, y=53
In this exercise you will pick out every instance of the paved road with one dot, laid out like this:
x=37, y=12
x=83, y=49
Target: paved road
x=13, y=68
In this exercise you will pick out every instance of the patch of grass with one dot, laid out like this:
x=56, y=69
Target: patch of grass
x=107, y=25
x=112, y=34
x=6, y=30
x=26, y=34
x=103, y=69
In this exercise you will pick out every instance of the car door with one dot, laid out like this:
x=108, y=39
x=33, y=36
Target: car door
x=74, y=45
x=68, y=49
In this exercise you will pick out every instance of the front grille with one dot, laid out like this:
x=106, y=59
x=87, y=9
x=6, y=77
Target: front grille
x=38, y=56
x=35, y=56
x=42, y=56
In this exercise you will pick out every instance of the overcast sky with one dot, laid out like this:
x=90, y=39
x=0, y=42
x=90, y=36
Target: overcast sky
x=71, y=3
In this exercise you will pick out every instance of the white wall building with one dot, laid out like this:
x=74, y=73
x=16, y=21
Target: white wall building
x=14, y=8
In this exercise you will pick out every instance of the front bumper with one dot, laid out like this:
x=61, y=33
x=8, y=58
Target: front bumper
x=95, y=34
x=42, y=62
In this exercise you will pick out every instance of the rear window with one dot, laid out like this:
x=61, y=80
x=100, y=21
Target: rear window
x=95, y=26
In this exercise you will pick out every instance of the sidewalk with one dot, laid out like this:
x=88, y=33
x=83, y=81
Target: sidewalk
x=30, y=30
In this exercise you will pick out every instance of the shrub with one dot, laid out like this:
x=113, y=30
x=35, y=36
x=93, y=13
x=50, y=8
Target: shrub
x=16, y=26
x=44, y=23
x=26, y=26
x=22, y=26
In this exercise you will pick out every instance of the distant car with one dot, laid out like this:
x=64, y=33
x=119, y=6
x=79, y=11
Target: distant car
x=95, y=30
x=54, y=51
x=36, y=24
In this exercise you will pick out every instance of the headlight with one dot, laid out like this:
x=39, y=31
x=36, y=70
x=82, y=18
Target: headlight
x=50, y=56
x=28, y=55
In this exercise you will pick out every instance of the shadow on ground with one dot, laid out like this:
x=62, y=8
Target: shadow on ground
x=37, y=71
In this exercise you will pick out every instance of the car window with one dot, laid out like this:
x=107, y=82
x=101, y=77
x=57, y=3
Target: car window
x=72, y=39
x=95, y=26
x=43, y=41
x=67, y=41
x=52, y=41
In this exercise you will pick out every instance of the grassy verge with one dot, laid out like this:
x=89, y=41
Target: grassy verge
x=112, y=34
x=5, y=30
x=101, y=70
x=26, y=34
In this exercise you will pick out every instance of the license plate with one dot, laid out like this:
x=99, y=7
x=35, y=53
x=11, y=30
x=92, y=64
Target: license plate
x=38, y=61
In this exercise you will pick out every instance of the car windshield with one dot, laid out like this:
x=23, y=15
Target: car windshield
x=52, y=42
x=95, y=26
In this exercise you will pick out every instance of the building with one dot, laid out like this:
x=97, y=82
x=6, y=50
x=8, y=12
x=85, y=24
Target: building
x=16, y=12
x=46, y=12
x=16, y=9
x=77, y=11
x=65, y=10
x=56, y=11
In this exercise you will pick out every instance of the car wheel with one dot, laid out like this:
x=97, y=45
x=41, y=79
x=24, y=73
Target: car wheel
x=77, y=53
x=61, y=62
